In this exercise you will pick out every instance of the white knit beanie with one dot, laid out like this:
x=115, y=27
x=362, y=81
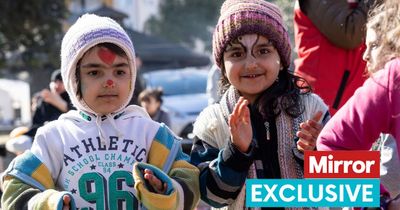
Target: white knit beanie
x=88, y=31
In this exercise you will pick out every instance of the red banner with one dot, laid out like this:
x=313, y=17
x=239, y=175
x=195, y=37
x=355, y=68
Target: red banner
x=341, y=164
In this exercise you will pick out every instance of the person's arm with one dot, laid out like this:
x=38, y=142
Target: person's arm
x=182, y=182
x=33, y=171
x=54, y=99
x=340, y=23
x=27, y=184
x=222, y=172
x=16, y=194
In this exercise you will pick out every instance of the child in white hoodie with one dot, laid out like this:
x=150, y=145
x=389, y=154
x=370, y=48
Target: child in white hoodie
x=105, y=154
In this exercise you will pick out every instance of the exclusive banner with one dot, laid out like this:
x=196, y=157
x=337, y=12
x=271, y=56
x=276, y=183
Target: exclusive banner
x=331, y=179
x=312, y=192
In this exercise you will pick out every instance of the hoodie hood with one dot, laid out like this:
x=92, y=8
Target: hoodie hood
x=88, y=31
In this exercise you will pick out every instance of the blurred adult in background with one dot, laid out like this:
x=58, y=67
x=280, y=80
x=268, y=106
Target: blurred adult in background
x=50, y=103
x=151, y=100
x=213, y=92
x=329, y=37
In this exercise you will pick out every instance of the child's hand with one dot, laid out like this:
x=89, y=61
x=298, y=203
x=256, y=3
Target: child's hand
x=157, y=184
x=240, y=125
x=309, y=132
x=67, y=201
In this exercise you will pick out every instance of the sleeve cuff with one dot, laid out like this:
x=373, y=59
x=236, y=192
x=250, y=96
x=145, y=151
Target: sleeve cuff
x=237, y=160
x=152, y=200
x=296, y=152
x=50, y=199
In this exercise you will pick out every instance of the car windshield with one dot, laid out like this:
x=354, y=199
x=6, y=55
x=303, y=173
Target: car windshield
x=177, y=82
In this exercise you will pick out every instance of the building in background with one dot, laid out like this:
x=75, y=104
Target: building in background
x=155, y=52
x=138, y=11
x=15, y=104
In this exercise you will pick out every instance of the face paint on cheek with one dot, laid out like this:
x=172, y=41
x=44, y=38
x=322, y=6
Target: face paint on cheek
x=106, y=55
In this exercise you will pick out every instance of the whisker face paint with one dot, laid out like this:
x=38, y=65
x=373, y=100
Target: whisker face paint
x=106, y=55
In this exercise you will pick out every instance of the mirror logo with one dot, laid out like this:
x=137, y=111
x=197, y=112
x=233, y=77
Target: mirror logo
x=331, y=179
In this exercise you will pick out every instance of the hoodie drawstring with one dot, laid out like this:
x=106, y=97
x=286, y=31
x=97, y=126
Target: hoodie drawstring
x=112, y=121
x=101, y=132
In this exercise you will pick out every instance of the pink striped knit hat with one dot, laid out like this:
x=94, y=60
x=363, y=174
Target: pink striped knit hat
x=240, y=17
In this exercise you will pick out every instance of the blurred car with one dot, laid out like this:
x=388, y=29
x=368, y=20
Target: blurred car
x=184, y=97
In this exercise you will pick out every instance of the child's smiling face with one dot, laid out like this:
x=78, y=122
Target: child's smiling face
x=105, y=80
x=252, y=64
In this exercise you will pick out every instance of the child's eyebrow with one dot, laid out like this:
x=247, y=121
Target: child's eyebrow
x=98, y=65
x=267, y=44
x=121, y=65
x=233, y=48
x=91, y=65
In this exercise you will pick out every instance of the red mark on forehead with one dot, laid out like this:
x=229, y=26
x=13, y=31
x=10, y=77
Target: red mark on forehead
x=110, y=82
x=106, y=55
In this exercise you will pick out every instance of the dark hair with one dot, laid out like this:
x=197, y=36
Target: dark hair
x=288, y=87
x=56, y=75
x=146, y=94
x=112, y=47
